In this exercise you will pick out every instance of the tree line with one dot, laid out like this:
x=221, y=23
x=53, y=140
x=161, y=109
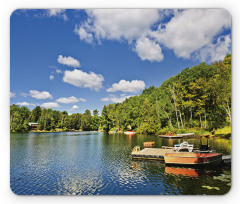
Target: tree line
x=198, y=97
x=51, y=120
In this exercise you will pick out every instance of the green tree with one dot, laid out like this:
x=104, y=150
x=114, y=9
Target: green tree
x=86, y=120
x=35, y=114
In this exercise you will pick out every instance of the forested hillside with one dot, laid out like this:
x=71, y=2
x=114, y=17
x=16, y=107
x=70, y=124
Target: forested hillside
x=198, y=97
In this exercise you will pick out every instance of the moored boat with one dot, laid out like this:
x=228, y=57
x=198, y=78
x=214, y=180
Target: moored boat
x=189, y=158
x=129, y=132
x=149, y=144
x=113, y=131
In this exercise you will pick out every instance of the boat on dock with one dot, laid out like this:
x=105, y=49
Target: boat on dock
x=183, y=154
x=189, y=158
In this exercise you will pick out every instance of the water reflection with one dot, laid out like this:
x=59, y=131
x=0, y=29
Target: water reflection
x=90, y=163
x=186, y=172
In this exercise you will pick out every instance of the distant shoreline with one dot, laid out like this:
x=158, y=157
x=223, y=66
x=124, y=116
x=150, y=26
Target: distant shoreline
x=219, y=133
x=49, y=131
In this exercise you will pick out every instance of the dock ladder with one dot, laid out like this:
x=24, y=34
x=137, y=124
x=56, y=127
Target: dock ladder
x=136, y=149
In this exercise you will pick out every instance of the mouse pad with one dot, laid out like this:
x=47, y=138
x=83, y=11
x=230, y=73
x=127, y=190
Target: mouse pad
x=120, y=102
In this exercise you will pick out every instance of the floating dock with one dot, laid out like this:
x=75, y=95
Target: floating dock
x=182, y=136
x=226, y=159
x=158, y=154
x=171, y=136
x=151, y=153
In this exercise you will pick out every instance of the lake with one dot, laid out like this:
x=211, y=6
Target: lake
x=96, y=163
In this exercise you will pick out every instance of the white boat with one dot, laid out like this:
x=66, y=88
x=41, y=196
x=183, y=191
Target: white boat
x=129, y=132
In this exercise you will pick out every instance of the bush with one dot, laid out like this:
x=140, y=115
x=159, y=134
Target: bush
x=165, y=130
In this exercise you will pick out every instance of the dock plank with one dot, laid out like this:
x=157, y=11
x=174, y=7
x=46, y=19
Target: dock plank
x=182, y=136
x=226, y=159
x=151, y=153
x=169, y=136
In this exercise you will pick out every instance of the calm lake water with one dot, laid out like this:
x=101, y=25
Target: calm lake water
x=93, y=163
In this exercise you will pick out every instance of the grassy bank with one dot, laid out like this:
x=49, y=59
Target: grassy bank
x=224, y=131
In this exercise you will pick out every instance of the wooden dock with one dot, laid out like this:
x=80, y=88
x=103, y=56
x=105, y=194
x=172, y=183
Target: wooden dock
x=151, y=153
x=182, y=136
x=226, y=159
x=170, y=136
x=158, y=154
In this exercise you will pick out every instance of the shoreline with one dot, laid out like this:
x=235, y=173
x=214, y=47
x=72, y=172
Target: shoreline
x=226, y=134
x=47, y=131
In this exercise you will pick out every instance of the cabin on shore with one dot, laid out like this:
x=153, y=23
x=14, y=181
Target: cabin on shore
x=33, y=126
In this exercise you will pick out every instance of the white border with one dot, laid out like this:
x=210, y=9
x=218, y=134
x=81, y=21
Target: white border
x=7, y=6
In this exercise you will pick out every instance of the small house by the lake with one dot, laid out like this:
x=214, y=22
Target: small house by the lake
x=33, y=126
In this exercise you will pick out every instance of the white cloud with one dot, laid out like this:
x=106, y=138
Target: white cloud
x=215, y=52
x=40, y=95
x=51, y=77
x=50, y=105
x=126, y=86
x=82, y=99
x=57, y=13
x=105, y=99
x=12, y=95
x=74, y=108
x=124, y=24
x=192, y=29
x=148, y=50
x=71, y=99
x=115, y=99
x=69, y=61
x=84, y=34
x=82, y=79
x=24, y=104
x=117, y=24
x=23, y=94
x=187, y=33
x=58, y=71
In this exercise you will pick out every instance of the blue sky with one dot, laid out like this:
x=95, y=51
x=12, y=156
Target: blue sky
x=75, y=60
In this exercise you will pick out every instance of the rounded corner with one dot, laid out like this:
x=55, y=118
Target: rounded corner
x=229, y=191
x=227, y=12
x=11, y=189
x=14, y=11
